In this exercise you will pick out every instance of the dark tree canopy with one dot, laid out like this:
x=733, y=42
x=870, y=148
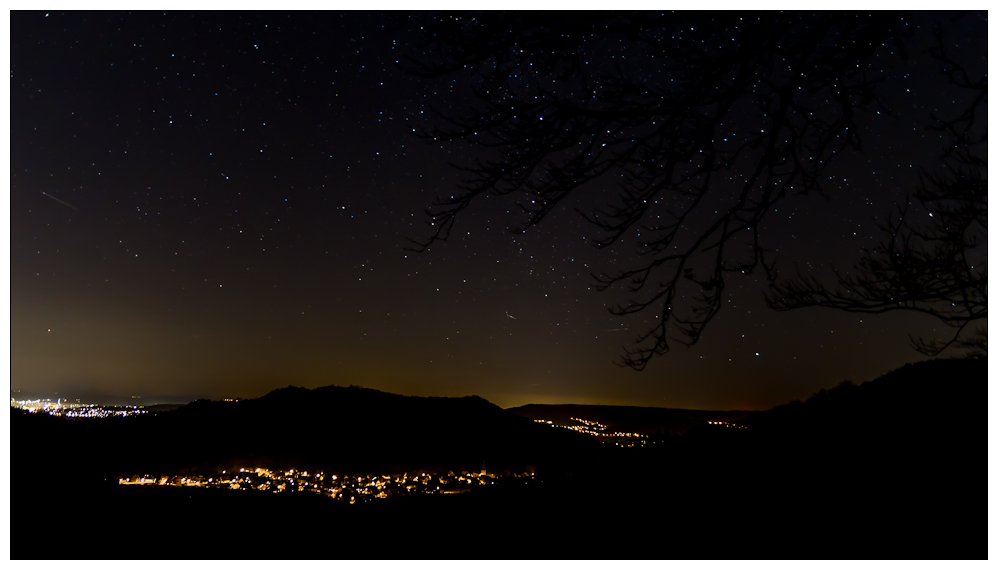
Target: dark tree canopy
x=703, y=121
x=935, y=267
x=933, y=255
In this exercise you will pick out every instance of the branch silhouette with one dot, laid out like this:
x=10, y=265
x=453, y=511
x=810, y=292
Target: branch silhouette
x=934, y=265
x=703, y=122
x=932, y=259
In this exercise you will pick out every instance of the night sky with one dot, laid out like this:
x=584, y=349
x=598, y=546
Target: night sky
x=218, y=205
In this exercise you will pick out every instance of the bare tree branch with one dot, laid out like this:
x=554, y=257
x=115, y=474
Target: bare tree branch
x=935, y=264
x=672, y=107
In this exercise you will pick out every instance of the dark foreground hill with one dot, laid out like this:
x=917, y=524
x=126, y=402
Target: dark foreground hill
x=895, y=468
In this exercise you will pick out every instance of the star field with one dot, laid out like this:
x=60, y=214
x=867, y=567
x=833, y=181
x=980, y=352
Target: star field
x=219, y=204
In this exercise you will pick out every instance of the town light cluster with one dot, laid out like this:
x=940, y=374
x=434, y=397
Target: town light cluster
x=596, y=429
x=728, y=425
x=347, y=488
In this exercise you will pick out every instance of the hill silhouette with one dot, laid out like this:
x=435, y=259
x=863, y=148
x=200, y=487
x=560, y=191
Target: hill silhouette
x=336, y=429
x=896, y=466
x=893, y=468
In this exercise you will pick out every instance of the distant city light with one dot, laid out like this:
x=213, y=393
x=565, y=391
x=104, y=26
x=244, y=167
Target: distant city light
x=75, y=409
